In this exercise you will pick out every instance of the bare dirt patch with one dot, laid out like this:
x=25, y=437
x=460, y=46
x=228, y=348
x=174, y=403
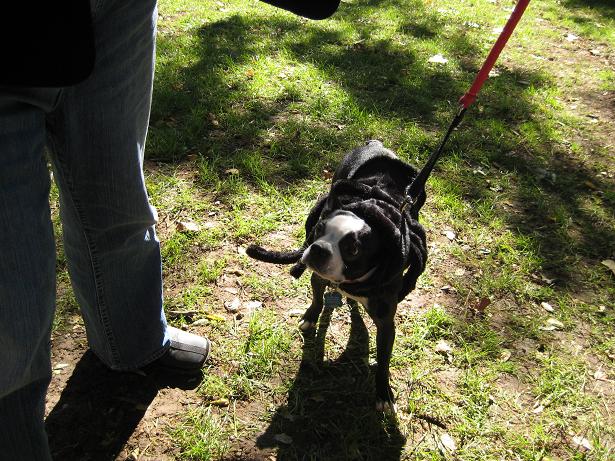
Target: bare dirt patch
x=97, y=414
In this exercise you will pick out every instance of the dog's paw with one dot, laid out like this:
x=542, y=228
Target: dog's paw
x=305, y=325
x=386, y=407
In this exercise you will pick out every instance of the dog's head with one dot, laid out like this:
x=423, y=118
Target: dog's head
x=344, y=249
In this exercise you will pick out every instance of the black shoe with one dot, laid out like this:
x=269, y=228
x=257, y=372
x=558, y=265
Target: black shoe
x=186, y=355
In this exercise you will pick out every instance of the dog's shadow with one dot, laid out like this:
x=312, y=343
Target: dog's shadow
x=330, y=412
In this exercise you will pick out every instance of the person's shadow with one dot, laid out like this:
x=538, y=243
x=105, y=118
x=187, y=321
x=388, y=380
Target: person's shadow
x=99, y=409
x=330, y=411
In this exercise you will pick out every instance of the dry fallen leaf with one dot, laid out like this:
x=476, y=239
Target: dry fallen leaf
x=215, y=317
x=442, y=347
x=610, y=264
x=220, y=402
x=600, y=375
x=438, y=59
x=555, y=323
x=546, y=306
x=538, y=408
x=232, y=306
x=187, y=226
x=231, y=171
x=253, y=305
x=582, y=443
x=448, y=443
x=213, y=120
x=481, y=305
x=505, y=355
x=552, y=324
x=450, y=235
x=445, y=349
x=547, y=280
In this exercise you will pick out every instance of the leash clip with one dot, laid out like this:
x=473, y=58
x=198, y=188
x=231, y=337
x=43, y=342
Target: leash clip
x=406, y=201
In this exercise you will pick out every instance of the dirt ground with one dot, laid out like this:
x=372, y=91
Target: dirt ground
x=96, y=414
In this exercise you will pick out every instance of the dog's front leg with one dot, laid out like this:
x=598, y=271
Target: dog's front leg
x=384, y=318
x=310, y=317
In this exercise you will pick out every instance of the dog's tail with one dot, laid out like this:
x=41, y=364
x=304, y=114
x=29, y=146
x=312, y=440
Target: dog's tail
x=276, y=257
x=279, y=257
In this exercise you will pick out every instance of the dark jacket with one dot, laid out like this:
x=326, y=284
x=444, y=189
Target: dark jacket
x=50, y=43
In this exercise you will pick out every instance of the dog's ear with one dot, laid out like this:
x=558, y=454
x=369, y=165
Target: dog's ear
x=334, y=203
x=368, y=237
x=314, y=216
x=381, y=218
x=297, y=270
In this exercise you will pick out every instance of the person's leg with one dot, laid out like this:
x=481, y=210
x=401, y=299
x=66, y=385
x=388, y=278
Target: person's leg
x=27, y=273
x=97, y=137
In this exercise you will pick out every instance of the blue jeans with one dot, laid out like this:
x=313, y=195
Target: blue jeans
x=95, y=134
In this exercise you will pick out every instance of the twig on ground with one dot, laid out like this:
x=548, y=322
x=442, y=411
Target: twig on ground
x=431, y=420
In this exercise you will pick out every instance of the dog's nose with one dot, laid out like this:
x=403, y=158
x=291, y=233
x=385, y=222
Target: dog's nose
x=319, y=254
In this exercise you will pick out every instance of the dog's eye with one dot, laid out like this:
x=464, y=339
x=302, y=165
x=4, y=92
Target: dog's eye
x=350, y=246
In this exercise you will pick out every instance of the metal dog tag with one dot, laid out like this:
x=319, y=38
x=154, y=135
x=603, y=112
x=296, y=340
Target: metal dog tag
x=333, y=299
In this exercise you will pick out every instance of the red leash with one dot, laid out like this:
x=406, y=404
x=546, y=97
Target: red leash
x=466, y=100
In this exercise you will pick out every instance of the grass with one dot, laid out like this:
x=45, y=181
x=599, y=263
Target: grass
x=202, y=435
x=252, y=110
x=254, y=361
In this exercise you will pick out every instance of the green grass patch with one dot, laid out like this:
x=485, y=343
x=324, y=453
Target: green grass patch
x=202, y=435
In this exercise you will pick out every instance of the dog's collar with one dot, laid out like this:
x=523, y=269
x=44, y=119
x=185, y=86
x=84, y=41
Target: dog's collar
x=363, y=278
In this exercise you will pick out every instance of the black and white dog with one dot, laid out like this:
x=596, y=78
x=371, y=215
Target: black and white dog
x=365, y=242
